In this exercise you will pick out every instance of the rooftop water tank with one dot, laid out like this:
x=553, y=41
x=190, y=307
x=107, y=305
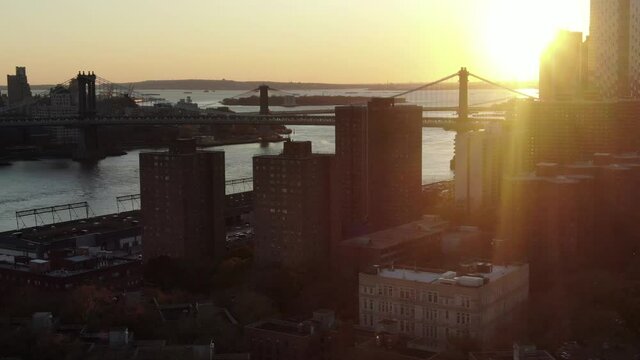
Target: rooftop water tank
x=448, y=275
x=470, y=281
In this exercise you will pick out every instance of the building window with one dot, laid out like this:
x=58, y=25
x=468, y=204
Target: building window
x=429, y=296
x=431, y=314
x=386, y=307
x=404, y=293
x=462, y=318
x=407, y=326
x=431, y=331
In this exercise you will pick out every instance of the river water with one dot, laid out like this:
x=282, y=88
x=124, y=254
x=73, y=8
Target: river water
x=47, y=182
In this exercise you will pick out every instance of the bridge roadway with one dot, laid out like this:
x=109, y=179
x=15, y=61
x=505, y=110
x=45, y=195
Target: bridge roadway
x=231, y=119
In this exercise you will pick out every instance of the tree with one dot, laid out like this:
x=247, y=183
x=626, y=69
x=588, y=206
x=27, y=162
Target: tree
x=84, y=301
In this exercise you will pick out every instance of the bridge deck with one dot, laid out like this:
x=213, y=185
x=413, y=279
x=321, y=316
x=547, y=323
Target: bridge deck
x=318, y=120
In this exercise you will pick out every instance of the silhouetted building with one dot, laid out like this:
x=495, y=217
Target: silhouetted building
x=549, y=222
x=120, y=233
x=118, y=273
x=379, y=164
x=614, y=48
x=581, y=214
x=479, y=301
x=478, y=168
x=61, y=104
x=292, y=206
x=561, y=67
x=405, y=244
x=182, y=200
x=564, y=132
x=18, y=87
x=276, y=339
x=634, y=48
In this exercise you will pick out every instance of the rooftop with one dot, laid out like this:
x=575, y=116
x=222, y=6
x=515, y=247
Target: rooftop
x=66, y=273
x=79, y=258
x=486, y=273
x=508, y=355
x=428, y=225
x=281, y=326
x=30, y=238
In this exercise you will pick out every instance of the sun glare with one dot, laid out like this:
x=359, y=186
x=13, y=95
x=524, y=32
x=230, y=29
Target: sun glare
x=517, y=32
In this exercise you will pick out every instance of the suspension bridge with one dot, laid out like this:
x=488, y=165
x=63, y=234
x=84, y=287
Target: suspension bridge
x=447, y=103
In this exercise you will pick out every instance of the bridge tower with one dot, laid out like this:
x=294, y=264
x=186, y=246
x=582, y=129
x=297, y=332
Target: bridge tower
x=264, y=99
x=86, y=94
x=88, y=148
x=463, y=94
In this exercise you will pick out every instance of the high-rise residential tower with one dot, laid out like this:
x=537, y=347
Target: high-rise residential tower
x=561, y=67
x=634, y=48
x=479, y=168
x=379, y=165
x=292, y=207
x=183, y=194
x=614, y=48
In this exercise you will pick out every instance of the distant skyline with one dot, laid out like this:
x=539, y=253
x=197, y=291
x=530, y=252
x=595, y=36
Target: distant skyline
x=330, y=41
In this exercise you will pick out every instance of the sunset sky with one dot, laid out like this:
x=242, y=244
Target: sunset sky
x=339, y=41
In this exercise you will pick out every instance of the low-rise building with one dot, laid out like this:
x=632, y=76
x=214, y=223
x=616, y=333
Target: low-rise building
x=116, y=232
x=480, y=301
x=285, y=339
x=520, y=352
x=118, y=273
x=406, y=244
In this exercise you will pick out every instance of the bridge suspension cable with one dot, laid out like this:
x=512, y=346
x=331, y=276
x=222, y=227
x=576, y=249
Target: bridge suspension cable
x=244, y=93
x=425, y=86
x=282, y=91
x=502, y=86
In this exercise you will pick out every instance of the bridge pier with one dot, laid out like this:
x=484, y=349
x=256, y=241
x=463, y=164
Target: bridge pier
x=264, y=130
x=264, y=99
x=463, y=94
x=88, y=148
x=86, y=95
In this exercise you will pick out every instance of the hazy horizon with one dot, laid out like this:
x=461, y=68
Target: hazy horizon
x=4, y=86
x=290, y=41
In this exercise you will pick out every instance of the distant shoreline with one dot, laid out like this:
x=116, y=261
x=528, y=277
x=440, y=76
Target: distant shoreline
x=197, y=84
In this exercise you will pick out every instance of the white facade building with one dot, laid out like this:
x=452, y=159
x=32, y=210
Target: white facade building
x=431, y=307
